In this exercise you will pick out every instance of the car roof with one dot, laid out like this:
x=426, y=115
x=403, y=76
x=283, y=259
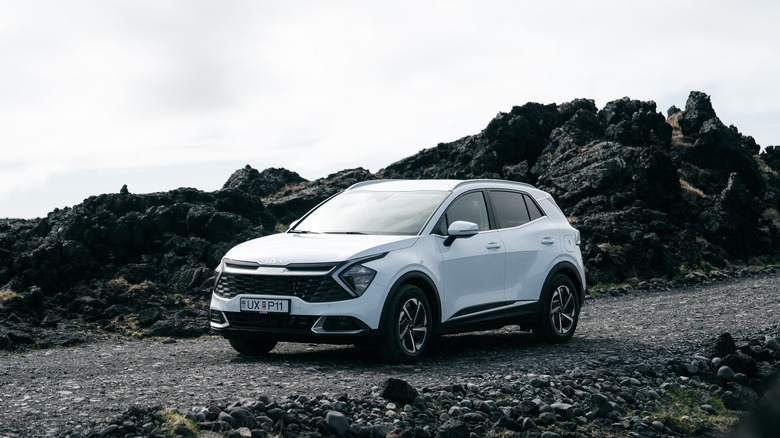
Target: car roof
x=441, y=184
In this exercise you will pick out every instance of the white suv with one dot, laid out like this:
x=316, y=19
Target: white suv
x=392, y=263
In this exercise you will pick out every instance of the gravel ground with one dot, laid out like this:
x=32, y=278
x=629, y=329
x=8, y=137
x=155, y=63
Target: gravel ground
x=64, y=392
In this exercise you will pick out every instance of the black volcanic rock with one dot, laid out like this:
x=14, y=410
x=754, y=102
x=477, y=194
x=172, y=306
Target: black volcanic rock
x=262, y=184
x=511, y=143
x=294, y=200
x=698, y=110
x=653, y=196
x=771, y=156
x=137, y=251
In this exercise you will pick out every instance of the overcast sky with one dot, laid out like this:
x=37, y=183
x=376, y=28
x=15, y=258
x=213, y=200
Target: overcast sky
x=163, y=94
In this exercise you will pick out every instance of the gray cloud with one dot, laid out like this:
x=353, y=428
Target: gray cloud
x=318, y=87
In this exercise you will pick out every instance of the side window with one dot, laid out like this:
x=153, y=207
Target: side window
x=470, y=207
x=533, y=208
x=510, y=209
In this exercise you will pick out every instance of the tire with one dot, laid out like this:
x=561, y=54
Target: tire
x=408, y=327
x=560, y=311
x=252, y=347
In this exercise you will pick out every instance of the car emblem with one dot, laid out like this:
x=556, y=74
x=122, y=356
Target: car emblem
x=273, y=262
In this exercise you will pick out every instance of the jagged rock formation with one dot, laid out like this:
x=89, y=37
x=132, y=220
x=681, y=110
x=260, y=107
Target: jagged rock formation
x=654, y=197
x=122, y=261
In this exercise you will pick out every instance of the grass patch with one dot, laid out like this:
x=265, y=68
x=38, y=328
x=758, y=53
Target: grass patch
x=7, y=294
x=174, y=420
x=589, y=430
x=685, y=185
x=765, y=169
x=131, y=327
x=771, y=215
x=596, y=289
x=124, y=284
x=607, y=247
x=684, y=413
x=600, y=288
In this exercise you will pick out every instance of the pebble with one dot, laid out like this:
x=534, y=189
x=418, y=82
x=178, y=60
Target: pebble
x=726, y=373
x=574, y=395
x=593, y=397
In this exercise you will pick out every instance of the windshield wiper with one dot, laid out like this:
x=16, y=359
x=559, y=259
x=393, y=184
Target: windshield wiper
x=344, y=232
x=303, y=232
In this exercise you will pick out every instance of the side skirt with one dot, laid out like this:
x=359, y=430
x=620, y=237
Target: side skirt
x=479, y=318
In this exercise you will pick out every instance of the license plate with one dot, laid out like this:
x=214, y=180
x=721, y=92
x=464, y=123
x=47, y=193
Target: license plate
x=265, y=305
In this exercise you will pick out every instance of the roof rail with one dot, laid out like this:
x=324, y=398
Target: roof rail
x=369, y=182
x=461, y=183
x=484, y=180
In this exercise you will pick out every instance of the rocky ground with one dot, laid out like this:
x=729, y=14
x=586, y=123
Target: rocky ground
x=641, y=364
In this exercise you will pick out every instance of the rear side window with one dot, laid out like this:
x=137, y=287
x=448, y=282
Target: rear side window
x=533, y=209
x=514, y=209
x=510, y=209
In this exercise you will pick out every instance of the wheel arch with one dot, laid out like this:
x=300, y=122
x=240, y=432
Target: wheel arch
x=424, y=282
x=569, y=270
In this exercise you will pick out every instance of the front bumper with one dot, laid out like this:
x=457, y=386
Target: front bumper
x=291, y=328
x=319, y=308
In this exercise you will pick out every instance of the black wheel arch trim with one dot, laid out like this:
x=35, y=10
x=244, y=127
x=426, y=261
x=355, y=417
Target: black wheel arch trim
x=570, y=270
x=415, y=277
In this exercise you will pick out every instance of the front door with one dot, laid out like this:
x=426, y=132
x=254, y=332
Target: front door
x=472, y=267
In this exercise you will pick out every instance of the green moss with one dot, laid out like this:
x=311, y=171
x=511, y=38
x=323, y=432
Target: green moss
x=599, y=289
x=174, y=419
x=683, y=412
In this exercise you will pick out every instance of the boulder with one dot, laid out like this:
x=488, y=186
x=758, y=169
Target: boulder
x=262, y=184
x=740, y=398
x=722, y=347
x=740, y=362
x=398, y=390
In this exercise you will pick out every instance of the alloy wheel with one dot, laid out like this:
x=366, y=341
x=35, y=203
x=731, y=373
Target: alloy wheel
x=563, y=310
x=413, y=326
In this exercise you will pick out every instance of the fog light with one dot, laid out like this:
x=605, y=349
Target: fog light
x=343, y=323
x=217, y=317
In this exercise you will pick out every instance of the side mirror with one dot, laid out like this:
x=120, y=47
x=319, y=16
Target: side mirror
x=460, y=229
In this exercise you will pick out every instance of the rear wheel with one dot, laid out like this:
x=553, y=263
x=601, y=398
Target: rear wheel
x=560, y=311
x=408, y=326
x=252, y=347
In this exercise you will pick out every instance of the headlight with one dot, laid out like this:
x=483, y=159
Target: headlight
x=358, y=278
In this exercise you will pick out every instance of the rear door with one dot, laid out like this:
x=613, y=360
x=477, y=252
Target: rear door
x=531, y=240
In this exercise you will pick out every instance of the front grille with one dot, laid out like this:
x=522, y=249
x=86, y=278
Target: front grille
x=312, y=289
x=266, y=321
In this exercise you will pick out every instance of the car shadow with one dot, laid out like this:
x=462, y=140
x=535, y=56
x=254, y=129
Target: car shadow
x=502, y=345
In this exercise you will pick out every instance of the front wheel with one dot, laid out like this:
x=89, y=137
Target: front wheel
x=408, y=326
x=252, y=347
x=560, y=311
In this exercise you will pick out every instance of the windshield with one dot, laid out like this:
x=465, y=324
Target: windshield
x=370, y=212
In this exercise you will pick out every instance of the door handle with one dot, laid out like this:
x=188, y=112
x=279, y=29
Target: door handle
x=493, y=245
x=548, y=241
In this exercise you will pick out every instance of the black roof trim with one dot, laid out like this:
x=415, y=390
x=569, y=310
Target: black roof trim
x=487, y=180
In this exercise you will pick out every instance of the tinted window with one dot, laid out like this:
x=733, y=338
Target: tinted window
x=533, y=209
x=470, y=208
x=509, y=208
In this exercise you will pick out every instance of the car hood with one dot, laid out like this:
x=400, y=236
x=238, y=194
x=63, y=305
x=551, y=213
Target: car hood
x=283, y=249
